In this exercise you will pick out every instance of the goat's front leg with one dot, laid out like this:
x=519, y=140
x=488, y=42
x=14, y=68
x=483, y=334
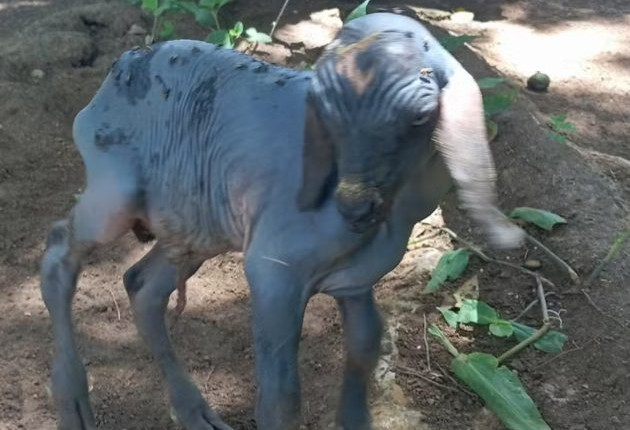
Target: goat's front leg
x=363, y=331
x=149, y=284
x=278, y=304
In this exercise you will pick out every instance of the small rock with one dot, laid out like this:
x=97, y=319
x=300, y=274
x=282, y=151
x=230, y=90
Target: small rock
x=533, y=264
x=538, y=82
x=137, y=30
x=37, y=74
x=462, y=16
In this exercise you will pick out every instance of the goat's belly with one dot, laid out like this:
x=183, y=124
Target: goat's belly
x=184, y=223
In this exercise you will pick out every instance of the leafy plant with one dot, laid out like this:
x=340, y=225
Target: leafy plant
x=540, y=218
x=453, y=43
x=451, y=265
x=560, y=127
x=480, y=313
x=496, y=98
x=359, y=11
x=553, y=341
x=498, y=386
x=489, y=82
x=206, y=14
x=499, y=101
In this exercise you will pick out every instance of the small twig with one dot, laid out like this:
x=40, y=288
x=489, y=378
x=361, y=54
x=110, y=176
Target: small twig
x=467, y=244
x=115, y=302
x=275, y=23
x=598, y=309
x=538, y=333
x=417, y=240
x=426, y=343
x=559, y=261
x=412, y=372
x=210, y=372
x=616, y=247
x=487, y=259
x=542, y=299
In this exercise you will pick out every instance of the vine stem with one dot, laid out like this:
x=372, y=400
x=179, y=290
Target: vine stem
x=538, y=333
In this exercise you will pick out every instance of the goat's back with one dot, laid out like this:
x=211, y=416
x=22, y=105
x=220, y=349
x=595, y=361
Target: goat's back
x=197, y=129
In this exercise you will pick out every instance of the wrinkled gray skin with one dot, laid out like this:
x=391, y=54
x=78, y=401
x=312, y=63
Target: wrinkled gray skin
x=318, y=178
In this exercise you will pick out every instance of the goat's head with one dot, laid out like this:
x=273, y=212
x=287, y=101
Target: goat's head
x=372, y=110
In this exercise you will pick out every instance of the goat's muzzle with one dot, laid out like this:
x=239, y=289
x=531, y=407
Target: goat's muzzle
x=362, y=207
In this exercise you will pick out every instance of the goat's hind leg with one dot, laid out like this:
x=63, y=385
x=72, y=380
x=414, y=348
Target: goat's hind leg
x=88, y=225
x=149, y=284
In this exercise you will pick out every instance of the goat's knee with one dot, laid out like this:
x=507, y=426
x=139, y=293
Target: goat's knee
x=59, y=268
x=363, y=330
x=363, y=347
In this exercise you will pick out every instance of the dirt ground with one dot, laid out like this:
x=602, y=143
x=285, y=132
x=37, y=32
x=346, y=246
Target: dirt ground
x=53, y=56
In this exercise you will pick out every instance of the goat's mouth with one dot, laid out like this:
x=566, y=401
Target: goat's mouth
x=362, y=214
x=365, y=224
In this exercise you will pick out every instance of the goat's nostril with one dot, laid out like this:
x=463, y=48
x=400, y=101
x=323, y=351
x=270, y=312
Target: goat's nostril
x=361, y=212
x=355, y=210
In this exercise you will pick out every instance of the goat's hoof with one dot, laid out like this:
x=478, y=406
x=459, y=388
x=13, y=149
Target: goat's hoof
x=198, y=417
x=70, y=393
x=76, y=415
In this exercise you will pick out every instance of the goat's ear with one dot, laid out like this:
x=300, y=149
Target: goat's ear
x=462, y=140
x=318, y=161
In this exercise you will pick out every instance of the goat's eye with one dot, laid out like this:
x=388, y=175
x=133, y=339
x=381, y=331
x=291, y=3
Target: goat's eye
x=420, y=120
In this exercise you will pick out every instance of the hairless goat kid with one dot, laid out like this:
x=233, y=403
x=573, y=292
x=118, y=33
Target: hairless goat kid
x=318, y=177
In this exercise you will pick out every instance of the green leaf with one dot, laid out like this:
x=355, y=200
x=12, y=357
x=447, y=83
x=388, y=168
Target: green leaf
x=489, y=82
x=557, y=137
x=450, y=316
x=254, y=36
x=213, y=4
x=560, y=123
x=205, y=18
x=492, y=129
x=167, y=6
x=452, y=43
x=501, y=328
x=500, y=389
x=553, y=341
x=477, y=312
x=168, y=30
x=228, y=42
x=150, y=5
x=499, y=101
x=435, y=331
x=359, y=11
x=541, y=218
x=218, y=37
x=237, y=30
x=450, y=267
